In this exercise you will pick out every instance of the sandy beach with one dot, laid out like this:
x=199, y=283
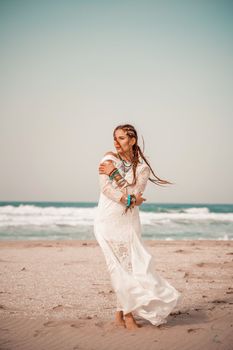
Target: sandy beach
x=58, y=295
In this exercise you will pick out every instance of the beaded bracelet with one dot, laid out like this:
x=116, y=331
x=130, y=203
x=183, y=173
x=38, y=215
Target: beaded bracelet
x=114, y=169
x=128, y=201
x=131, y=201
x=120, y=182
x=113, y=173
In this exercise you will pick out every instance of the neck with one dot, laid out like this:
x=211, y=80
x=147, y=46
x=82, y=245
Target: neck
x=125, y=156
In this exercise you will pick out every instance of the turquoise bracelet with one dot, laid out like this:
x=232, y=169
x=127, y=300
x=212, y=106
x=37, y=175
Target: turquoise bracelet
x=128, y=201
x=113, y=174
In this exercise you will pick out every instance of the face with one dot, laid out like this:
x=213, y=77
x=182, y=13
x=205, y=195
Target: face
x=122, y=142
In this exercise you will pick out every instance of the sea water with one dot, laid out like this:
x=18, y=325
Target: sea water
x=64, y=220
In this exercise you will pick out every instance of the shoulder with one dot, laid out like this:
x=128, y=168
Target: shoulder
x=111, y=154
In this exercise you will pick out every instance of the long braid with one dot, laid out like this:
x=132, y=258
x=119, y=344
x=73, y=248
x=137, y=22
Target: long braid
x=137, y=153
x=157, y=180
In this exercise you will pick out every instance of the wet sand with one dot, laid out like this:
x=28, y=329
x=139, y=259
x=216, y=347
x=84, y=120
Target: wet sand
x=58, y=295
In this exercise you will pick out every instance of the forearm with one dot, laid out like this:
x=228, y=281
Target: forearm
x=108, y=190
x=118, y=178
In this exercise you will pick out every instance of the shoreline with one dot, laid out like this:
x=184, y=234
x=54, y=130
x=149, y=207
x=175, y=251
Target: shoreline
x=78, y=242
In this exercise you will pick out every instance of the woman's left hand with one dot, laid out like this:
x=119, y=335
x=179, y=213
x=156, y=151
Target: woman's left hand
x=106, y=167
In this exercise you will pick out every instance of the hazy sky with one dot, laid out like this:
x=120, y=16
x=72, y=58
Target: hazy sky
x=73, y=70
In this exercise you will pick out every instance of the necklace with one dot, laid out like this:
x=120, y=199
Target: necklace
x=126, y=165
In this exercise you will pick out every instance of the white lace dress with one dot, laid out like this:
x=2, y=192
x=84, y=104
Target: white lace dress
x=138, y=287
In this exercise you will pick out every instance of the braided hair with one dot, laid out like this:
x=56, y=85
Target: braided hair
x=137, y=153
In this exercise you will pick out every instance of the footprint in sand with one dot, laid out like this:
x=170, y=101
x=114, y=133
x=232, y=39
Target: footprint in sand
x=216, y=340
x=3, y=307
x=58, y=307
x=78, y=325
x=218, y=301
x=163, y=327
x=189, y=330
x=50, y=324
x=4, y=329
x=39, y=332
x=99, y=324
x=176, y=313
x=211, y=308
x=36, y=333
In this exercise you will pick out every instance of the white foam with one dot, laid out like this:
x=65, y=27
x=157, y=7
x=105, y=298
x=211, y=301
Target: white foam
x=194, y=210
x=150, y=218
x=72, y=216
x=37, y=216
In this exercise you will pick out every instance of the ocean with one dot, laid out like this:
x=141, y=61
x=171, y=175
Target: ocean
x=74, y=220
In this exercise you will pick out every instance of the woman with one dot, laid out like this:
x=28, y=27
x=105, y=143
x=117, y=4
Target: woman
x=139, y=289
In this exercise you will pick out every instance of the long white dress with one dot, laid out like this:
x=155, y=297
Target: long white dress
x=138, y=287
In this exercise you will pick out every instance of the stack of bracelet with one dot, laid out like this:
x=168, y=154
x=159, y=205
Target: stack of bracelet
x=131, y=200
x=115, y=175
x=121, y=182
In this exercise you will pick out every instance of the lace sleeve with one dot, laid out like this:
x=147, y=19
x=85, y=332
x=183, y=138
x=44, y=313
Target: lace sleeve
x=141, y=183
x=106, y=187
x=108, y=190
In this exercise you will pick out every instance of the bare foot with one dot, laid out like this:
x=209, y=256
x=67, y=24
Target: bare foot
x=119, y=320
x=130, y=322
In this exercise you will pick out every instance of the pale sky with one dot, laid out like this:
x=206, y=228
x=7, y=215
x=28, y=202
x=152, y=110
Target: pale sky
x=73, y=70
